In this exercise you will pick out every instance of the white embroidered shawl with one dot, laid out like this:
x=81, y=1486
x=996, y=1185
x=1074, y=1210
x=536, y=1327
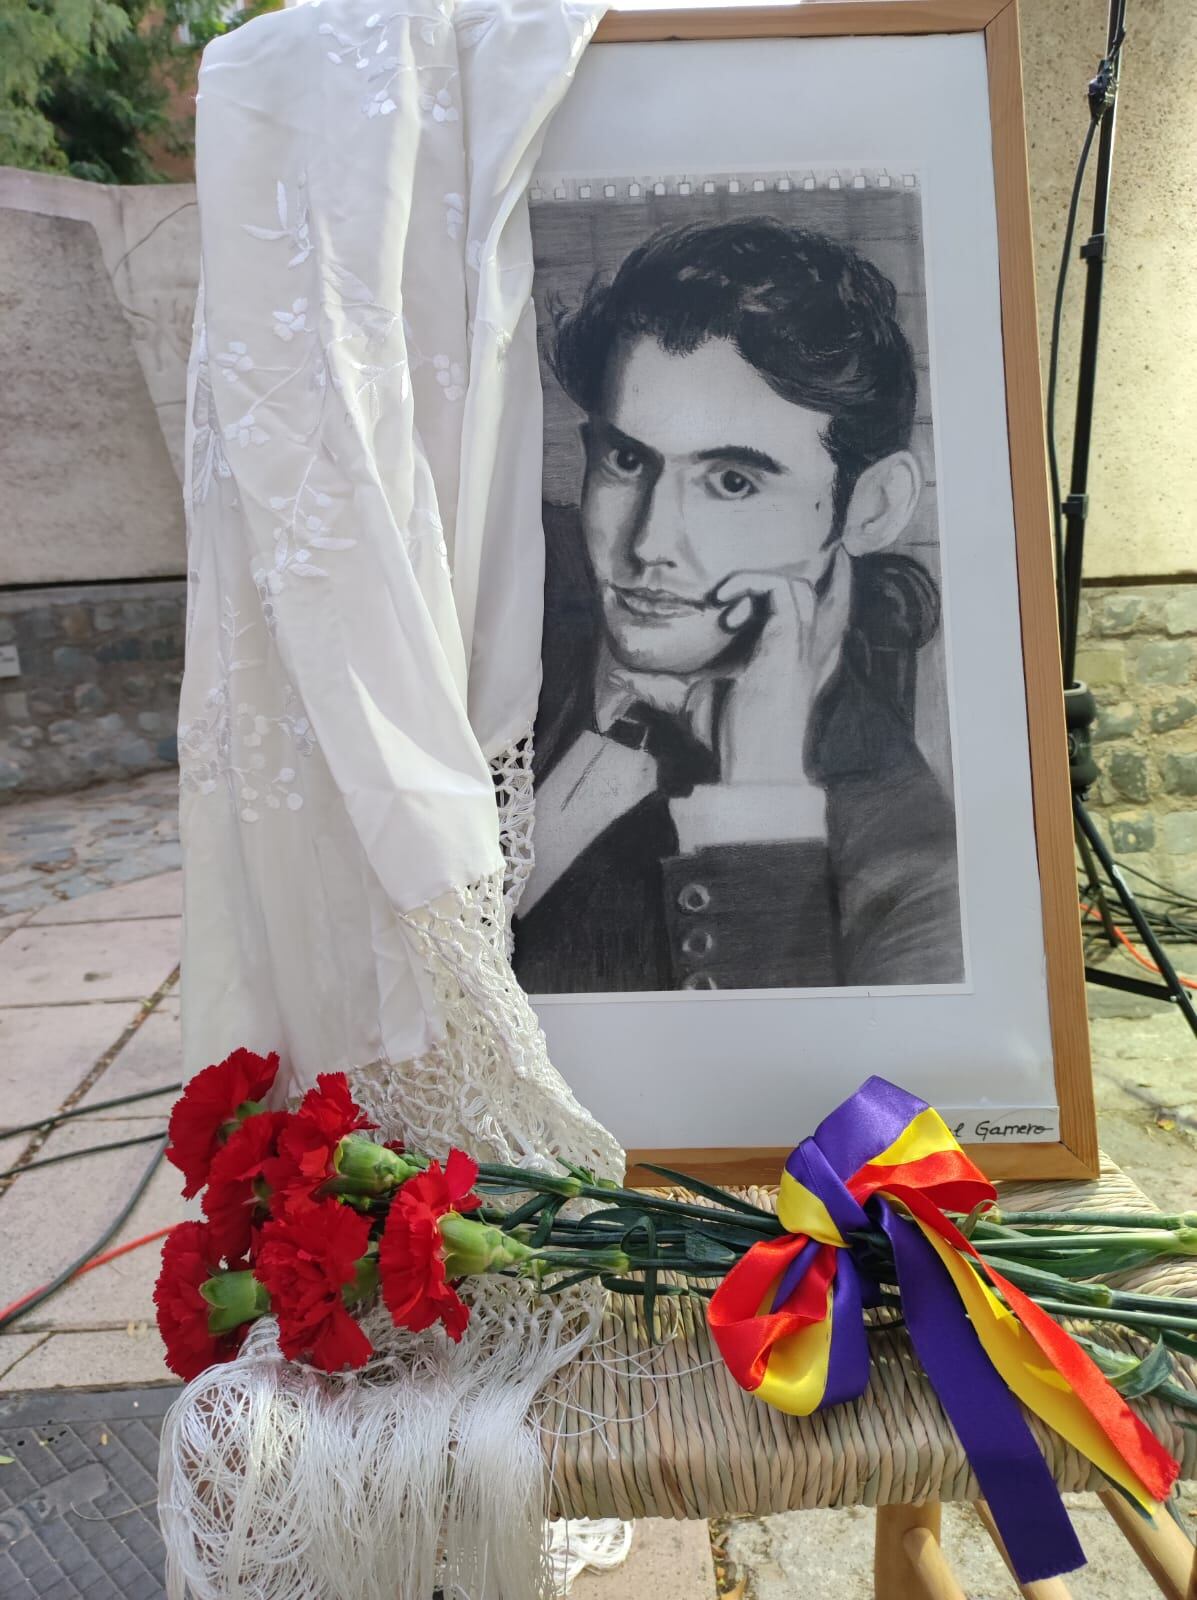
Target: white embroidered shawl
x=365, y=578
x=366, y=555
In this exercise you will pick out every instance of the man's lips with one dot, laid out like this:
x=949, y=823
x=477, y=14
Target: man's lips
x=652, y=603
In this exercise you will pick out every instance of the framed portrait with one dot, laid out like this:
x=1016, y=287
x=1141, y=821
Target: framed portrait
x=802, y=810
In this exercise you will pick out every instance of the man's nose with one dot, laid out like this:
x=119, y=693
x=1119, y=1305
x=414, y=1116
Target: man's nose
x=660, y=528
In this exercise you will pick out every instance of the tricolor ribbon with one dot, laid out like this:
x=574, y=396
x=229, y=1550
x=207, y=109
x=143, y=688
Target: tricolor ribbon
x=788, y=1320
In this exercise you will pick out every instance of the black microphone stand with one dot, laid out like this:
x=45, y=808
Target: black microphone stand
x=1079, y=706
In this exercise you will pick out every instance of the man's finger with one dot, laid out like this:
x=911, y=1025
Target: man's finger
x=737, y=614
x=787, y=617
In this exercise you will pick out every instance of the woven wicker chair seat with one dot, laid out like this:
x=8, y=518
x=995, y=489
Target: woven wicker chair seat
x=637, y=1429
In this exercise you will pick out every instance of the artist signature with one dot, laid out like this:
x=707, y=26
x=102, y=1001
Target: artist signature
x=983, y=1129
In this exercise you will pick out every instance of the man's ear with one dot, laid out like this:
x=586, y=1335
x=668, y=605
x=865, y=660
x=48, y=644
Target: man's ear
x=882, y=504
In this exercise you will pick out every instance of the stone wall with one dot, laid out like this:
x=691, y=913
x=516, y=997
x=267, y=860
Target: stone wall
x=97, y=289
x=98, y=689
x=1138, y=654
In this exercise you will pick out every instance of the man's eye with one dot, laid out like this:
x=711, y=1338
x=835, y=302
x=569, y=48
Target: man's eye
x=732, y=485
x=626, y=461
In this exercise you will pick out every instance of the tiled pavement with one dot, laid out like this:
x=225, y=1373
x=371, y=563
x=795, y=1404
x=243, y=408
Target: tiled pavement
x=88, y=1012
x=75, y=844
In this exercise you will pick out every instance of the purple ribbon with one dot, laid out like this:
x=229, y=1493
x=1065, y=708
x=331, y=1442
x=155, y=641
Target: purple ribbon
x=997, y=1440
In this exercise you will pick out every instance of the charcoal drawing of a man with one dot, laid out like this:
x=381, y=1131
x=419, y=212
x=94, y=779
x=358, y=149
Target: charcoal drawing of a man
x=730, y=793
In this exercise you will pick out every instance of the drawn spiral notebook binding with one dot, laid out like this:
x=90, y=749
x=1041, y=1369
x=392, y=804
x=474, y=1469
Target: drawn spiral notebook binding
x=550, y=188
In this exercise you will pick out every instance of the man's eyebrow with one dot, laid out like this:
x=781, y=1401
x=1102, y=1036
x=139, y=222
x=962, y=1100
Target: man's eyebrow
x=742, y=455
x=626, y=441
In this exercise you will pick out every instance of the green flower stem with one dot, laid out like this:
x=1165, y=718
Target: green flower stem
x=1033, y=1280
x=1038, y=1244
x=630, y=1286
x=631, y=1199
x=1100, y=1219
x=1133, y=1320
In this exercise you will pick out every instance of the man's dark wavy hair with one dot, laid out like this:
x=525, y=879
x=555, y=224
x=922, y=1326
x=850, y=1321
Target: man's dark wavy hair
x=814, y=318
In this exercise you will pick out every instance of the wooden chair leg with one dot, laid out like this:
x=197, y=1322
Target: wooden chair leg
x=908, y=1563
x=1159, y=1545
x=1043, y=1588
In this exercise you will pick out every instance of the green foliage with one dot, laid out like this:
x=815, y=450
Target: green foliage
x=100, y=89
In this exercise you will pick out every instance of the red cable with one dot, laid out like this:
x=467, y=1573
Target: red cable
x=1090, y=911
x=109, y=1255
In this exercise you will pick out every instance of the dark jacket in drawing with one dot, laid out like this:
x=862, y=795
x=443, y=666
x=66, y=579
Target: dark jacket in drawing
x=875, y=904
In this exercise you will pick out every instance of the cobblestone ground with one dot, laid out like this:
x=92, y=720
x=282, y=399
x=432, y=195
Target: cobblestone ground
x=69, y=845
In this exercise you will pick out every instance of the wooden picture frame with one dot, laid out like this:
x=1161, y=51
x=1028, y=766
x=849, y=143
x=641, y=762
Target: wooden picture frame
x=1074, y=1153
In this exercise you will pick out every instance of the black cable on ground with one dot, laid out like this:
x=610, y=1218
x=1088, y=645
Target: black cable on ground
x=113, y=1228
x=52, y=1121
x=70, y=1155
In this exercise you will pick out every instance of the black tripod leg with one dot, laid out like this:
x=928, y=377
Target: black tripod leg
x=1097, y=889
x=1176, y=989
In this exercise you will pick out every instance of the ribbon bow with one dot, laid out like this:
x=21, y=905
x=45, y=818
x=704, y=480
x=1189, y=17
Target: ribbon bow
x=788, y=1319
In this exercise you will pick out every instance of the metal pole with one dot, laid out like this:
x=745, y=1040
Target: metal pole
x=1103, y=98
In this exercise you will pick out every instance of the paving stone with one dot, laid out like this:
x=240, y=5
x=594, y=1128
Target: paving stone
x=119, y=832
x=83, y=962
x=152, y=1057
x=110, y=1358
x=123, y=1290
x=828, y=1555
x=160, y=896
x=15, y=1346
x=45, y=1053
x=50, y=1215
x=667, y=1561
x=78, y=1500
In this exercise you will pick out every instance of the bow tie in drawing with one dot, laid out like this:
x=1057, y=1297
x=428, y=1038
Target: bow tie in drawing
x=683, y=759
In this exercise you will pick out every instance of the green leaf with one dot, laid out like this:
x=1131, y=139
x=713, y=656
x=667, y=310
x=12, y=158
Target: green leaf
x=1146, y=1375
x=703, y=1246
x=545, y=1226
x=1180, y=1342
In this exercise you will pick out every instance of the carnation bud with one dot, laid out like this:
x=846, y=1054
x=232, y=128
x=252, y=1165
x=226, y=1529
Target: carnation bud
x=473, y=1247
x=247, y=1108
x=366, y=1168
x=365, y=1280
x=235, y=1297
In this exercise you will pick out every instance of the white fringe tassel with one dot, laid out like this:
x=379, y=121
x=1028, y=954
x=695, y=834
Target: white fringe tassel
x=424, y=1472
x=580, y=1542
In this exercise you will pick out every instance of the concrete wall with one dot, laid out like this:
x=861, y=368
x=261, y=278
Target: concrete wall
x=97, y=292
x=1143, y=483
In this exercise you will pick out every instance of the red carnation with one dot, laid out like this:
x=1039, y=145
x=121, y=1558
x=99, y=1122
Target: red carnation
x=305, y=1265
x=308, y=1143
x=233, y=1203
x=411, y=1253
x=210, y=1101
x=189, y=1259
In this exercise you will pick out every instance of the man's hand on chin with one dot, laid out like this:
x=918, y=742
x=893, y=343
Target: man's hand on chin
x=762, y=728
x=764, y=794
